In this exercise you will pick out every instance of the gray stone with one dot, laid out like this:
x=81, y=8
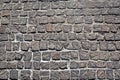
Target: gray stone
x=62, y=37
x=111, y=46
x=117, y=37
x=71, y=4
x=103, y=46
x=44, y=66
x=109, y=74
x=43, y=20
x=103, y=55
x=3, y=65
x=46, y=56
x=117, y=44
x=25, y=46
x=11, y=65
x=41, y=28
x=101, y=74
x=18, y=56
x=54, y=75
x=31, y=29
x=84, y=55
x=78, y=28
x=27, y=56
x=55, y=55
x=98, y=19
x=20, y=65
x=36, y=75
x=64, y=74
x=65, y=55
x=85, y=45
x=37, y=56
x=94, y=55
x=73, y=65
x=4, y=74
x=54, y=65
x=67, y=28
x=8, y=46
x=14, y=74
x=25, y=74
x=10, y=56
x=58, y=46
x=45, y=6
x=3, y=37
x=17, y=6
x=62, y=65
x=114, y=56
x=28, y=37
x=5, y=21
x=28, y=65
x=109, y=36
x=43, y=45
x=36, y=65
x=97, y=28
x=35, y=45
x=19, y=37
x=74, y=74
x=81, y=36
x=16, y=46
x=88, y=20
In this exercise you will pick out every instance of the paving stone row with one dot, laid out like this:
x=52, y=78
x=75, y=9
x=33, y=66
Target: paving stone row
x=59, y=39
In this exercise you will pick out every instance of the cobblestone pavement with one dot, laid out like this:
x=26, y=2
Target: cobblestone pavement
x=59, y=39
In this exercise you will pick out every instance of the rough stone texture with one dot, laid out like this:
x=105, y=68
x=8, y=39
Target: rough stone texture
x=59, y=39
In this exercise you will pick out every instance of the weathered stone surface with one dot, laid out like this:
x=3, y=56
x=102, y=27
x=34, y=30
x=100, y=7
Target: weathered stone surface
x=43, y=45
x=4, y=74
x=3, y=37
x=114, y=56
x=13, y=74
x=59, y=39
x=74, y=74
x=63, y=65
x=36, y=75
x=11, y=65
x=28, y=37
x=44, y=65
x=3, y=65
x=55, y=55
x=113, y=65
x=85, y=45
x=64, y=74
x=36, y=65
x=54, y=75
x=25, y=74
x=87, y=74
x=37, y=56
x=117, y=74
x=25, y=46
x=73, y=65
x=27, y=56
x=103, y=46
x=20, y=65
x=46, y=56
x=65, y=55
x=28, y=65
x=67, y=28
x=10, y=56
x=54, y=65
x=83, y=55
x=35, y=45
x=101, y=74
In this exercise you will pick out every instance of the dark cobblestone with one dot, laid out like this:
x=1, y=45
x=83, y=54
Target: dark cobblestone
x=59, y=39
